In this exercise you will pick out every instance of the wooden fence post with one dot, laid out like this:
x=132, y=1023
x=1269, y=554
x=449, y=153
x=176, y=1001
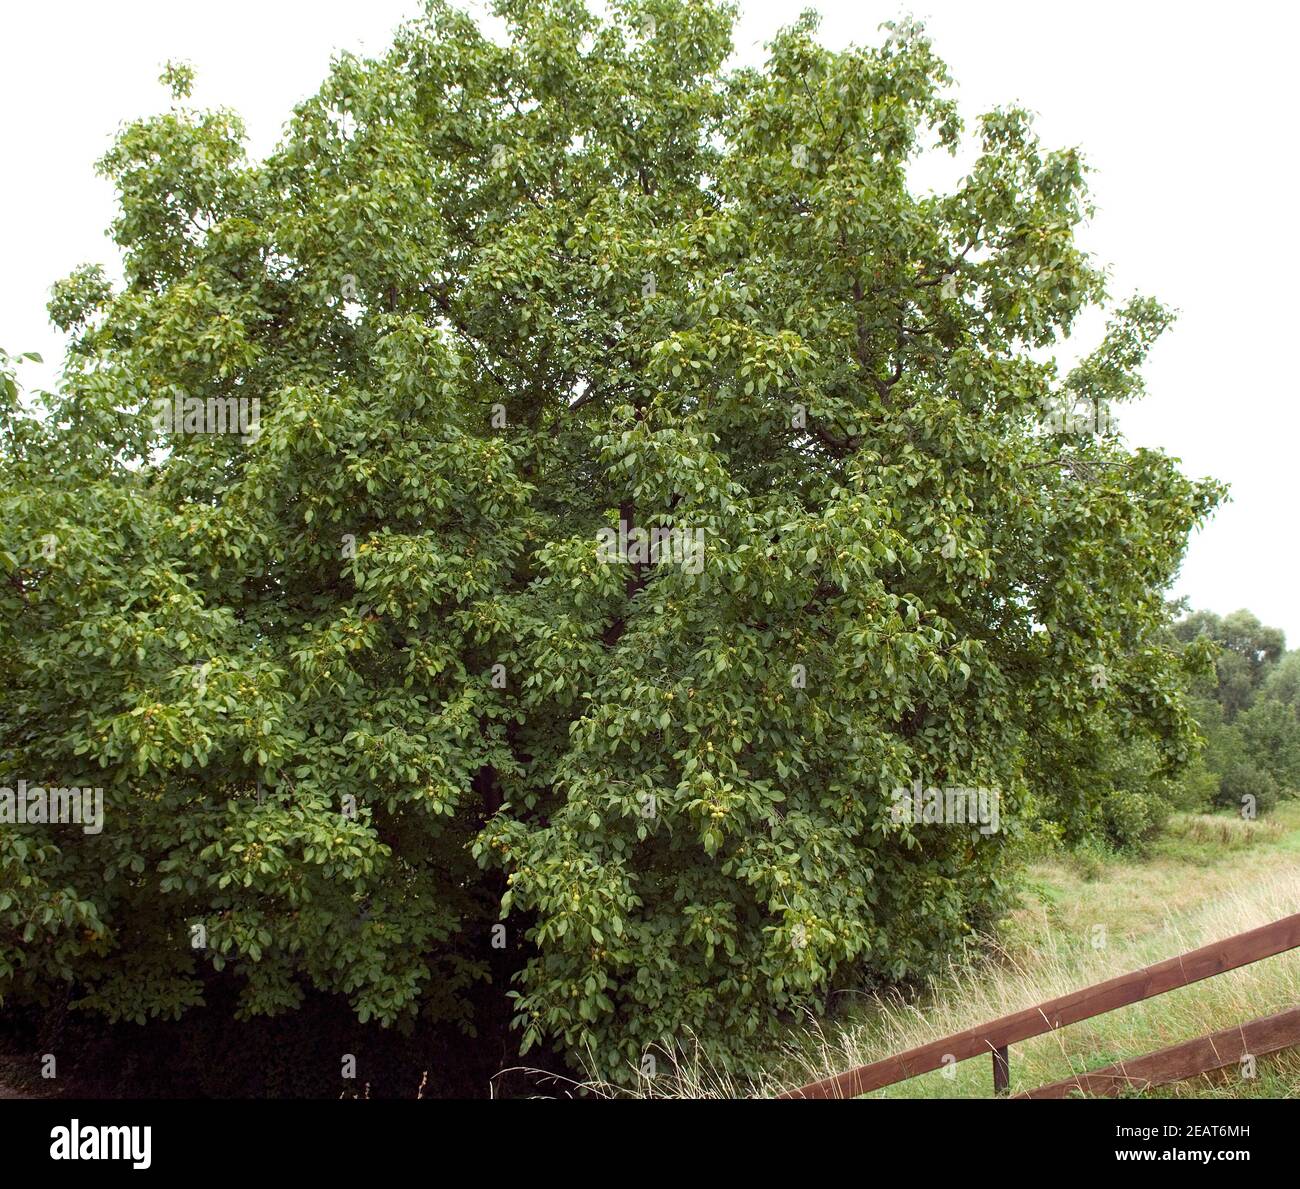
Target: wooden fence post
x=1001, y=1071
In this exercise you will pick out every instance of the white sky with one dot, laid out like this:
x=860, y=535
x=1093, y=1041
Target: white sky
x=1185, y=111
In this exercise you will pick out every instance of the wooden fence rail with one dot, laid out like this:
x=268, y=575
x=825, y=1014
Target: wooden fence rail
x=1185, y=1060
x=993, y=1038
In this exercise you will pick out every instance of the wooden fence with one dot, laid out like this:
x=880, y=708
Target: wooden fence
x=1214, y=1051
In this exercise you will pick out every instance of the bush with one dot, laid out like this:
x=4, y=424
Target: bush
x=1271, y=737
x=1248, y=789
x=1131, y=818
x=1198, y=788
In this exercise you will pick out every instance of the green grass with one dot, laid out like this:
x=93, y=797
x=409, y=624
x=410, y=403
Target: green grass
x=1207, y=878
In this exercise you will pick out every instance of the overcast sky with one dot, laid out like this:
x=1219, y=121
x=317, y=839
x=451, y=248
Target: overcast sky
x=1184, y=110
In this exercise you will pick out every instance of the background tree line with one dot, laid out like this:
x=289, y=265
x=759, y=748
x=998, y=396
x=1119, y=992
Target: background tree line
x=1249, y=712
x=1242, y=693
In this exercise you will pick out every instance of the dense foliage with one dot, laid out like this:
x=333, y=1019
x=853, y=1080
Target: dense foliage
x=365, y=679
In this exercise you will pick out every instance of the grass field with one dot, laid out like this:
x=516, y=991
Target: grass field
x=1081, y=922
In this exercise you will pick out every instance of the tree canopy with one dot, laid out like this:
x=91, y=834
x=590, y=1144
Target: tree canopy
x=1247, y=650
x=365, y=677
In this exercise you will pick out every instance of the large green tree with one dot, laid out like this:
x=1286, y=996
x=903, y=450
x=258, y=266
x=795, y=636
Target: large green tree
x=363, y=680
x=1247, y=651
